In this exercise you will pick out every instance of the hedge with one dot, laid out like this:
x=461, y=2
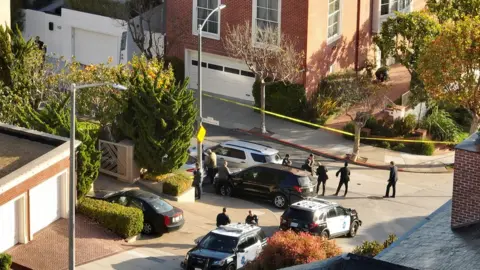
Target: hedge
x=122, y=220
x=373, y=248
x=174, y=184
x=5, y=261
x=178, y=68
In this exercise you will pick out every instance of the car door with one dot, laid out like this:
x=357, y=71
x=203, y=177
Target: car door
x=264, y=182
x=332, y=221
x=247, y=181
x=343, y=219
x=236, y=158
x=247, y=250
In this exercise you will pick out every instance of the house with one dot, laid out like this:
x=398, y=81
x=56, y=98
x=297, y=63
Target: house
x=33, y=183
x=5, y=13
x=334, y=34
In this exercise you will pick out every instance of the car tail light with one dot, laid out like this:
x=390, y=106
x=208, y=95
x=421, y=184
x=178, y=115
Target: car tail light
x=297, y=188
x=167, y=220
x=191, y=170
x=312, y=225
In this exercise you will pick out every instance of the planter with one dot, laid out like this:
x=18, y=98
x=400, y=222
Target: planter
x=157, y=187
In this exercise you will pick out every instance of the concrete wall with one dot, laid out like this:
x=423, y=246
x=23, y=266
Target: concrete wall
x=5, y=17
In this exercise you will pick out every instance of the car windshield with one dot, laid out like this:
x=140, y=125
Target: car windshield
x=298, y=214
x=273, y=158
x=158, y=204
x=218, y=242
x=304, y=181
x=191, y=160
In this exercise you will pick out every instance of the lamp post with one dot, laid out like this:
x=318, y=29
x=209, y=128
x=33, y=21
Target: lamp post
x=71, y=185
x=199, y=99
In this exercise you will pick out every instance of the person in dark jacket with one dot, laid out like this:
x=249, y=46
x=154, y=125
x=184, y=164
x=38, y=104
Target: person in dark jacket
x=198, y=181
x=251, y=218
x=286, y=160
x=344, y=178
x=392, y=179
x=322, y=177
x=223, y=218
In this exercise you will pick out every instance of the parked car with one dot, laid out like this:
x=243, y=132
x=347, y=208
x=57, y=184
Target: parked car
x=280, y=184
x=158, y=215
x=320, y=217
x=242, y=154
x=227, y=247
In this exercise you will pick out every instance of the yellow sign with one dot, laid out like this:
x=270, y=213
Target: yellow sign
x=201, y=134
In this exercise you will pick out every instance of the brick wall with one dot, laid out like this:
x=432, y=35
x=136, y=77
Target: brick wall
x=466, y=188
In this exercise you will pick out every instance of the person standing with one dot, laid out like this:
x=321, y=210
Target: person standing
x=392, y=180
x=224, y=172
x=211, y=165
x=222, y=218
x=198, y=181
x=322, y=177
x=286, y=160
x=344, y=178
x=308, y=166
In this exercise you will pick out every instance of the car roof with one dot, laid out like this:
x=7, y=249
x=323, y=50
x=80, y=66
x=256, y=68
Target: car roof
x=141, y=194
x=235, y=229
x=253, y=147
x=289, y=169
x=313, y=204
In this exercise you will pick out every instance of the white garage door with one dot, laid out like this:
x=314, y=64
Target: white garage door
x=221, y=75
x=45, y=205
x=94, y=48
x=9, y=224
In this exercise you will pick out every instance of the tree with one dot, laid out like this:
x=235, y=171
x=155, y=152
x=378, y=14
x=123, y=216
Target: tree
x=55, y=119
x=450, y=67
x=271, y=57
x=361, y=97
x=287, y=248
x=453, y=9
x=405, y=37
x=158, y=115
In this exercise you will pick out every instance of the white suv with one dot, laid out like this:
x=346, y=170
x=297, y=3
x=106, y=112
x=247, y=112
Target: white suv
x=227, y=247
x=243, y=154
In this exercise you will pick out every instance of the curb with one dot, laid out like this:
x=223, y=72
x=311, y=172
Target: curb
x=330, y=156
x=132, y=239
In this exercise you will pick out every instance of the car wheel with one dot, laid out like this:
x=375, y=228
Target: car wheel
x=226, y=190
x=231, y=267
x=353, y=229
x=147, y=228
x=280, y=201
x=325, y=234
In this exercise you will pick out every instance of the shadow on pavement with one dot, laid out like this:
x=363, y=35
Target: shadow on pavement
x=153, y=262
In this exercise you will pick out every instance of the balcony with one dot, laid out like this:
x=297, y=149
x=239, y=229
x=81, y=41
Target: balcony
x=384, y=9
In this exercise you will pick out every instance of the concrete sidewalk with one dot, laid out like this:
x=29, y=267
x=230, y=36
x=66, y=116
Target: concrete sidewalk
x=318, y=141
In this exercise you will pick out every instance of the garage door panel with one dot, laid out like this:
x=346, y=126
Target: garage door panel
x=95, y=48
x=45, y=203
x=9, y=225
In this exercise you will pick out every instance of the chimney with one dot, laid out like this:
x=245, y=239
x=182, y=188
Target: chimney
x=466, y=183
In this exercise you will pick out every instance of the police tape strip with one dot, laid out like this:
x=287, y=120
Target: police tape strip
x=324, y=127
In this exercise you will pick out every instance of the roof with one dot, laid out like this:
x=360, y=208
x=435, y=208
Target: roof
x=470, y=144
x=293, y=170
x=312, y=204
x=235, y=229
x=254, y=147
x=349, y=261
x=434, y=245
x=16, y=152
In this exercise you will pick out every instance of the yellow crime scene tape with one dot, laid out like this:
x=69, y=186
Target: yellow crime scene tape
x=324, y=127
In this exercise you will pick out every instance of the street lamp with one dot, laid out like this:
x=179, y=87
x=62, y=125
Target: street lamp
x=71, y=188
x=199, y=99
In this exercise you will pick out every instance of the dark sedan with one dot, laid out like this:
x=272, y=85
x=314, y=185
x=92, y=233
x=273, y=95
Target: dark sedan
x=158, y=215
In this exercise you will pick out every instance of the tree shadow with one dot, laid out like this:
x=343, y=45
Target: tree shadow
x=151, y=262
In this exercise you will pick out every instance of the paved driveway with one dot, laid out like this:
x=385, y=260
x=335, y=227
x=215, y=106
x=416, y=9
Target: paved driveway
x=49, y=249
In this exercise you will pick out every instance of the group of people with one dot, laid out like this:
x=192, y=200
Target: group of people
x=211, y=170
x=223, y=219
x=344, y=174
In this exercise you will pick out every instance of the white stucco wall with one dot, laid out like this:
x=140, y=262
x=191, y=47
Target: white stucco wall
x=5, y=12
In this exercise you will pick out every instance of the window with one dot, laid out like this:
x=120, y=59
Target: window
x=333, y=18
x=201, y=11
x=266, y=176
x=331, y=213
x=403, y=4
x=234, y=153
x=215, y=67
x=232, y=70
x=250, y=241
x=220, y=243
x=248, y=73
x=259, y=158
x=385, y=7
x=122, y=200
x=137, y=204
x=250, y=174
x=341, y=211
x=261, y=235
x=267, y=15
x=390, y=6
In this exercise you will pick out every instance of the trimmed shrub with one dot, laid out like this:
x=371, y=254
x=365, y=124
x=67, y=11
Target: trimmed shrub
x=284, y=98
x=398, y=147
x=122, y=220
x=5, y=261
x=373, y=248
x=287, y=248
x=440, y=125
x=174, y=184
x=385, y=144
x=425, y=149
x=178, y=68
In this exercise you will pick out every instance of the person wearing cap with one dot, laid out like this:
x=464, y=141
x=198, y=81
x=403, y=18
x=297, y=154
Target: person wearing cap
x=322, y=177
x=344, y=178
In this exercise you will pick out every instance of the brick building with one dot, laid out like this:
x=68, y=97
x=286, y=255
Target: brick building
x=334, y=34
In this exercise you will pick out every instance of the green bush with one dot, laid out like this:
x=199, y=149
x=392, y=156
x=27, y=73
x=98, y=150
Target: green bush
x=373, y=248
x=283, y=98
x=410, y=122
x=398, y=147
x=5, y=261
x=440, y=125
x=349, y=127
x=122, y=220
x=178, y=68
x=385, y=144
x=404, y=126
x=174, y=184
x=425, y=149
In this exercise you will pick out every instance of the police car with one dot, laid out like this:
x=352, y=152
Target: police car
x=227, y=247
x=320, y=217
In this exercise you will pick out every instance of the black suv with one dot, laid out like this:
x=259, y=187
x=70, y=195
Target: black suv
x=320, y=217
x=281, y=184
